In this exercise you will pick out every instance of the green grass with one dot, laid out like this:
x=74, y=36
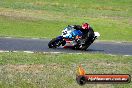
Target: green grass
x=46, y=19
x=21, y=70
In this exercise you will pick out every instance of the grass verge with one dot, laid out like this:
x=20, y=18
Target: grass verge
x=58, y=70
x=47, y=18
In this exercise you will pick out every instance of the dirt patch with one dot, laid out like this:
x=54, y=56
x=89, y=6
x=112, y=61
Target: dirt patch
x=107, y=67
x=33, y=15
x=25, y=68
x=34, y=68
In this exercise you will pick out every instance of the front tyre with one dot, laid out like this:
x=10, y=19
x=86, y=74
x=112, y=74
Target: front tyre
x=53, y=43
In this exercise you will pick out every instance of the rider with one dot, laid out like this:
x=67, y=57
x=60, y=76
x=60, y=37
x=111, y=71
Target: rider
x=88, y=32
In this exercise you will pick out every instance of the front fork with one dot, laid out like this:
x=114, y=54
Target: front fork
x=61, y=41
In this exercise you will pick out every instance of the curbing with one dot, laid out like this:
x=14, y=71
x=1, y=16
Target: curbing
x=28, y=52
x=31, y=52
x=23, y=38
x=4, y=51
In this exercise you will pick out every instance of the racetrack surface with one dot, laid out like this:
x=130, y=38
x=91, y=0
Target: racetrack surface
x=41, y=45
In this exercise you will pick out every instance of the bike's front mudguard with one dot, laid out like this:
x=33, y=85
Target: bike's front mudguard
x=59, y=38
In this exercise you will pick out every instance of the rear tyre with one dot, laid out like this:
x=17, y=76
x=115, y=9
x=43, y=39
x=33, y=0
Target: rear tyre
x=88, y=41
x=85, y=46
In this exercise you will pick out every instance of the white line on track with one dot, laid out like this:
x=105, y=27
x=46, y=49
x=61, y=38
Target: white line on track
x=111, y=54
x=28, y=51
x=35, y=38
x=4, y=51
x=6, y=37
x=127, y=55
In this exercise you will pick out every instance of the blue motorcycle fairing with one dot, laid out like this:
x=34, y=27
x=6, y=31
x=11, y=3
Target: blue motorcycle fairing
x=69, y=36
x=77, y=33
x=59, y=38
x=74, y=34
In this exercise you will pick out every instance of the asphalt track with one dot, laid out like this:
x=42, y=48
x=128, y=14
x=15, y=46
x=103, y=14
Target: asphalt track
x=40, y=45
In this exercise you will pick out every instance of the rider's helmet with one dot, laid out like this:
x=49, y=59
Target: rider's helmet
x=85, y=26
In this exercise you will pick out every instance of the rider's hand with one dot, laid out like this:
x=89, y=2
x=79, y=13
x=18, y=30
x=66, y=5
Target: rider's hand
x=78, y=37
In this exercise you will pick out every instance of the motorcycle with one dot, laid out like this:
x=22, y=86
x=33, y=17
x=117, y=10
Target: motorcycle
x=72, y=38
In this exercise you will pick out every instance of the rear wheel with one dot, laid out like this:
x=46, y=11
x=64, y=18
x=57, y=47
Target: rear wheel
x=87, y=43
x=85, y=46
x=88, y=40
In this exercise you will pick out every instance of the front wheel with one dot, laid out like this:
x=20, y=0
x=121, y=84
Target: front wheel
x=56, y=42
x=53, y=43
